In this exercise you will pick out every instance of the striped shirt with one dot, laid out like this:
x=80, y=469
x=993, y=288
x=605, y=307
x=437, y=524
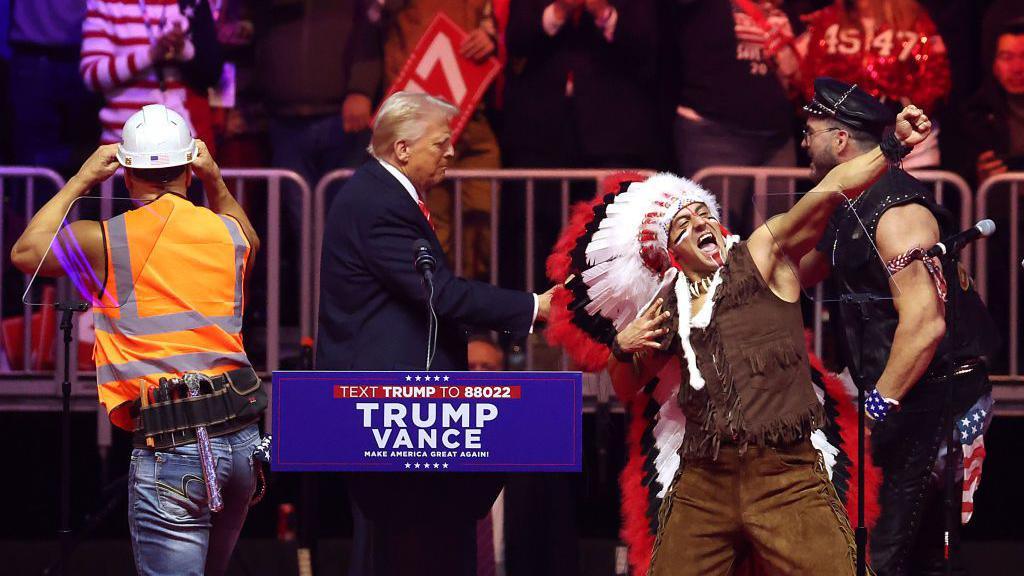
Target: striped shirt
x=115, y=59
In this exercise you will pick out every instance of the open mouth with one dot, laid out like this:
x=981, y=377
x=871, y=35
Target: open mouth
x=707, y=243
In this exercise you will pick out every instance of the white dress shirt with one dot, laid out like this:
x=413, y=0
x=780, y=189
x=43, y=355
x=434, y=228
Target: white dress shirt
x=402, y=179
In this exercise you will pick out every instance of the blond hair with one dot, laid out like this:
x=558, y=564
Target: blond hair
x=404, y=116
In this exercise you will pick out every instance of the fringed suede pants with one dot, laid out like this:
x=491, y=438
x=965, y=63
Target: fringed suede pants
x=774, y=506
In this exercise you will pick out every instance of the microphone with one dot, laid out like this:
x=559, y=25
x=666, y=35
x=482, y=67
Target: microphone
x=957, y=241
x=423, y=259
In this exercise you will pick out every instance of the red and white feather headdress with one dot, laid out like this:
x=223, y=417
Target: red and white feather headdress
x=613, y=258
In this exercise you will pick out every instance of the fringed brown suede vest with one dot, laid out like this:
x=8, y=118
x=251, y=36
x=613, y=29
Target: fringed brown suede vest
x=753, y=358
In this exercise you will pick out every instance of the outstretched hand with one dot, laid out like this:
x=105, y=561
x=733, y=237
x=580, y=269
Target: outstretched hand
x=912, y=125
x=544, y=304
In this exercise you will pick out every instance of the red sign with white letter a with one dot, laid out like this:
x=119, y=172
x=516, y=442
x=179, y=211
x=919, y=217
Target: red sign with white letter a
x=435, y=67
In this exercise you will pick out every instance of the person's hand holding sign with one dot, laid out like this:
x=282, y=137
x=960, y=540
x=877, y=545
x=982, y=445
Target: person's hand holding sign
x=478, y=45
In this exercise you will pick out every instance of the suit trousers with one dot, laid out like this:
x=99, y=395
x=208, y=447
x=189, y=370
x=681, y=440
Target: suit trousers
x=775, y=504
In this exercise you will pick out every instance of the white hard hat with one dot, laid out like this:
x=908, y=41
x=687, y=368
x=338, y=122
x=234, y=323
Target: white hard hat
x=156, y=137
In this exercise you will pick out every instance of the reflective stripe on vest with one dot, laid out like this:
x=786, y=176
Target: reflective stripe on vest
x=178, y=310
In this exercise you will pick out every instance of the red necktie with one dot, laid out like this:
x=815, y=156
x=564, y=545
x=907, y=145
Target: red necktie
x=425, y=211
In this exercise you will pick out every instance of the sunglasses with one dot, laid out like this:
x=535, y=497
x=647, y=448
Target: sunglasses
x=808, y=132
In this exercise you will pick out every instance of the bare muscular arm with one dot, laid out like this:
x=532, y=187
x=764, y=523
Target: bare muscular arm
x=922, y=323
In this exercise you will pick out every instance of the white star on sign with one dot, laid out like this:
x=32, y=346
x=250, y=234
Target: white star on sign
x=408, y=378
x=407, y=465
x=437, y=378
x=436, y=465
x=417, y=465
x=417, y=378
x=445, y=465
x=445, y=378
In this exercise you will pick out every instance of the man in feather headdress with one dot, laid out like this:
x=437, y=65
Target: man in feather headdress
x=729, y=328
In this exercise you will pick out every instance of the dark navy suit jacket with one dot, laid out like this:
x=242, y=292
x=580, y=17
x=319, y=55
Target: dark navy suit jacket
x=372, y=301
x=373, y=317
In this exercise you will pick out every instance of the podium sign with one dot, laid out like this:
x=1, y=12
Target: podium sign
x=428, y=421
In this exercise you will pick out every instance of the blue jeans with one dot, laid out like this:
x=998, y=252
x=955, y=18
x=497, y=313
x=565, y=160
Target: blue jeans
x=173, y=531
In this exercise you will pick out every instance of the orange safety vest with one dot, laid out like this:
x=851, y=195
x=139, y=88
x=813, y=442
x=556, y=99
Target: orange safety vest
x=172, y=299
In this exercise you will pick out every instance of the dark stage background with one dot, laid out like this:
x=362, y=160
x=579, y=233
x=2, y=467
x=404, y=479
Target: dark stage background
x=994, y=541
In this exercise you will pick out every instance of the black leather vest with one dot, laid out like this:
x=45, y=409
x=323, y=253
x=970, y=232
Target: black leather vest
x=857, y=269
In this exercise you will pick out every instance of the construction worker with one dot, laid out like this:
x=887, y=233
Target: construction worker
x=168, y=282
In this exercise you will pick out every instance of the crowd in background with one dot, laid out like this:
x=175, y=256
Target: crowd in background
x=665, y=84
x=674, y=84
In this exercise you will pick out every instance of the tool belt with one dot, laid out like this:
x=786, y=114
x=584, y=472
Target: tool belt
x=236, y=400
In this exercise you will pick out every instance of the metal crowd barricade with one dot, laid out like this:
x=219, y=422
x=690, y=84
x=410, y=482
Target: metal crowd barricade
x=30, y=389
x=457, y=178
x=27, y=381
x=764, y=179
x=320, y=208
x=1010, y=182
x=941, y=181
x=274, y=178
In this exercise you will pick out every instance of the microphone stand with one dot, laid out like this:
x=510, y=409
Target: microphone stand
x=947, y=421
x=308, y=501
x=428, y=285
x=424, y=262
x=64, y=533
x=861, y=532
x=950, y=477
